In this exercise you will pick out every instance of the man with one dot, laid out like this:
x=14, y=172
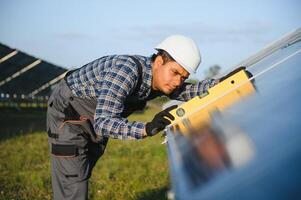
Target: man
x=91, y=104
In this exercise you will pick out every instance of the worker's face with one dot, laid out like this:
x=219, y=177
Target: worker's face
x=167, y=77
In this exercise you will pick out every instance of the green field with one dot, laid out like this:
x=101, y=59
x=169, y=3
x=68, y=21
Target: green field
x=128, y=169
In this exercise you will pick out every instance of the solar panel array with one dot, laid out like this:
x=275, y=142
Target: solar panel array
x=15, y=79
x=25, y=81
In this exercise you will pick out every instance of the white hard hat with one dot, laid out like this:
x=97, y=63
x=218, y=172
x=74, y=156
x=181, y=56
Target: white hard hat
x=183, y=50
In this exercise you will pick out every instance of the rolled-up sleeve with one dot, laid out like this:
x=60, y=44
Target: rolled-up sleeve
x=189, y=90
x=118, y=83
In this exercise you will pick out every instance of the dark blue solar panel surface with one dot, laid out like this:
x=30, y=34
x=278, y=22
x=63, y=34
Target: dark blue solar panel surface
x=271, y=118
x=5, y=50
x=33, y=79
x=29, y=80
x=14, y=64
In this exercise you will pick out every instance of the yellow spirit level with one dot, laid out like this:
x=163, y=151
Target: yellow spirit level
x=196, y=112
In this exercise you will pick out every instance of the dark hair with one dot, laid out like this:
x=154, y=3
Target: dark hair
x=165, y=56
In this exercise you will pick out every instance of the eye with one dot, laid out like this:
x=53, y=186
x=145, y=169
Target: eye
x=174, y=72
x=184, y=78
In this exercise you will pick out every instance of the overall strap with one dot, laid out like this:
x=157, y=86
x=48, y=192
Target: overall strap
x=138, y=64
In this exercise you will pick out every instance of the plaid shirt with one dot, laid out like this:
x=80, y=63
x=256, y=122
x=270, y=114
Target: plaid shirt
x=112, y=80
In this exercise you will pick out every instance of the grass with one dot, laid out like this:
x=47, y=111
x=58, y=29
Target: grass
x=128, y=169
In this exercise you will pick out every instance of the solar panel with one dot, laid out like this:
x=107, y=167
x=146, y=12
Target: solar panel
x=14, y=64
x=4, y=50
x=14, y=77
x=32, y=79
x=252, y=149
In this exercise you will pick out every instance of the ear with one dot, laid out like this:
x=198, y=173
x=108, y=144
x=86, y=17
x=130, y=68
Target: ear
x=159, y=61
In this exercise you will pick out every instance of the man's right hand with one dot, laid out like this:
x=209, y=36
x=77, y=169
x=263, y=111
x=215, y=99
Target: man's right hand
x=160, y=121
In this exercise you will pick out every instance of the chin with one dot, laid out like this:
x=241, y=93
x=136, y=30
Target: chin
x=167, y=91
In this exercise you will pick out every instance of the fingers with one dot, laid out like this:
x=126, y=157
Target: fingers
x=168, y=115
x=171, y=108
x=165, y=122
x=162, y=124
x=166, y=112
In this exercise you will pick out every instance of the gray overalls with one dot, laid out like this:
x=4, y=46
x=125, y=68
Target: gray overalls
x=74, y=146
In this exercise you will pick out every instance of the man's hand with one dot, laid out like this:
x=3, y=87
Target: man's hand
x=160, y=121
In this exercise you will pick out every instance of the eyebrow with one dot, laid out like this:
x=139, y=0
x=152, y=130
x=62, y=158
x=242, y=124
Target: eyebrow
x=182, y=76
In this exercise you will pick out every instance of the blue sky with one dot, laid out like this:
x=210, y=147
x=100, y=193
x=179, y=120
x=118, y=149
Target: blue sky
x=72, y=33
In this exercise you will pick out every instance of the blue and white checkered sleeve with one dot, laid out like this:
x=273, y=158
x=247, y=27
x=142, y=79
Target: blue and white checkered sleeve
x=115, y=87
x=189, y=90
